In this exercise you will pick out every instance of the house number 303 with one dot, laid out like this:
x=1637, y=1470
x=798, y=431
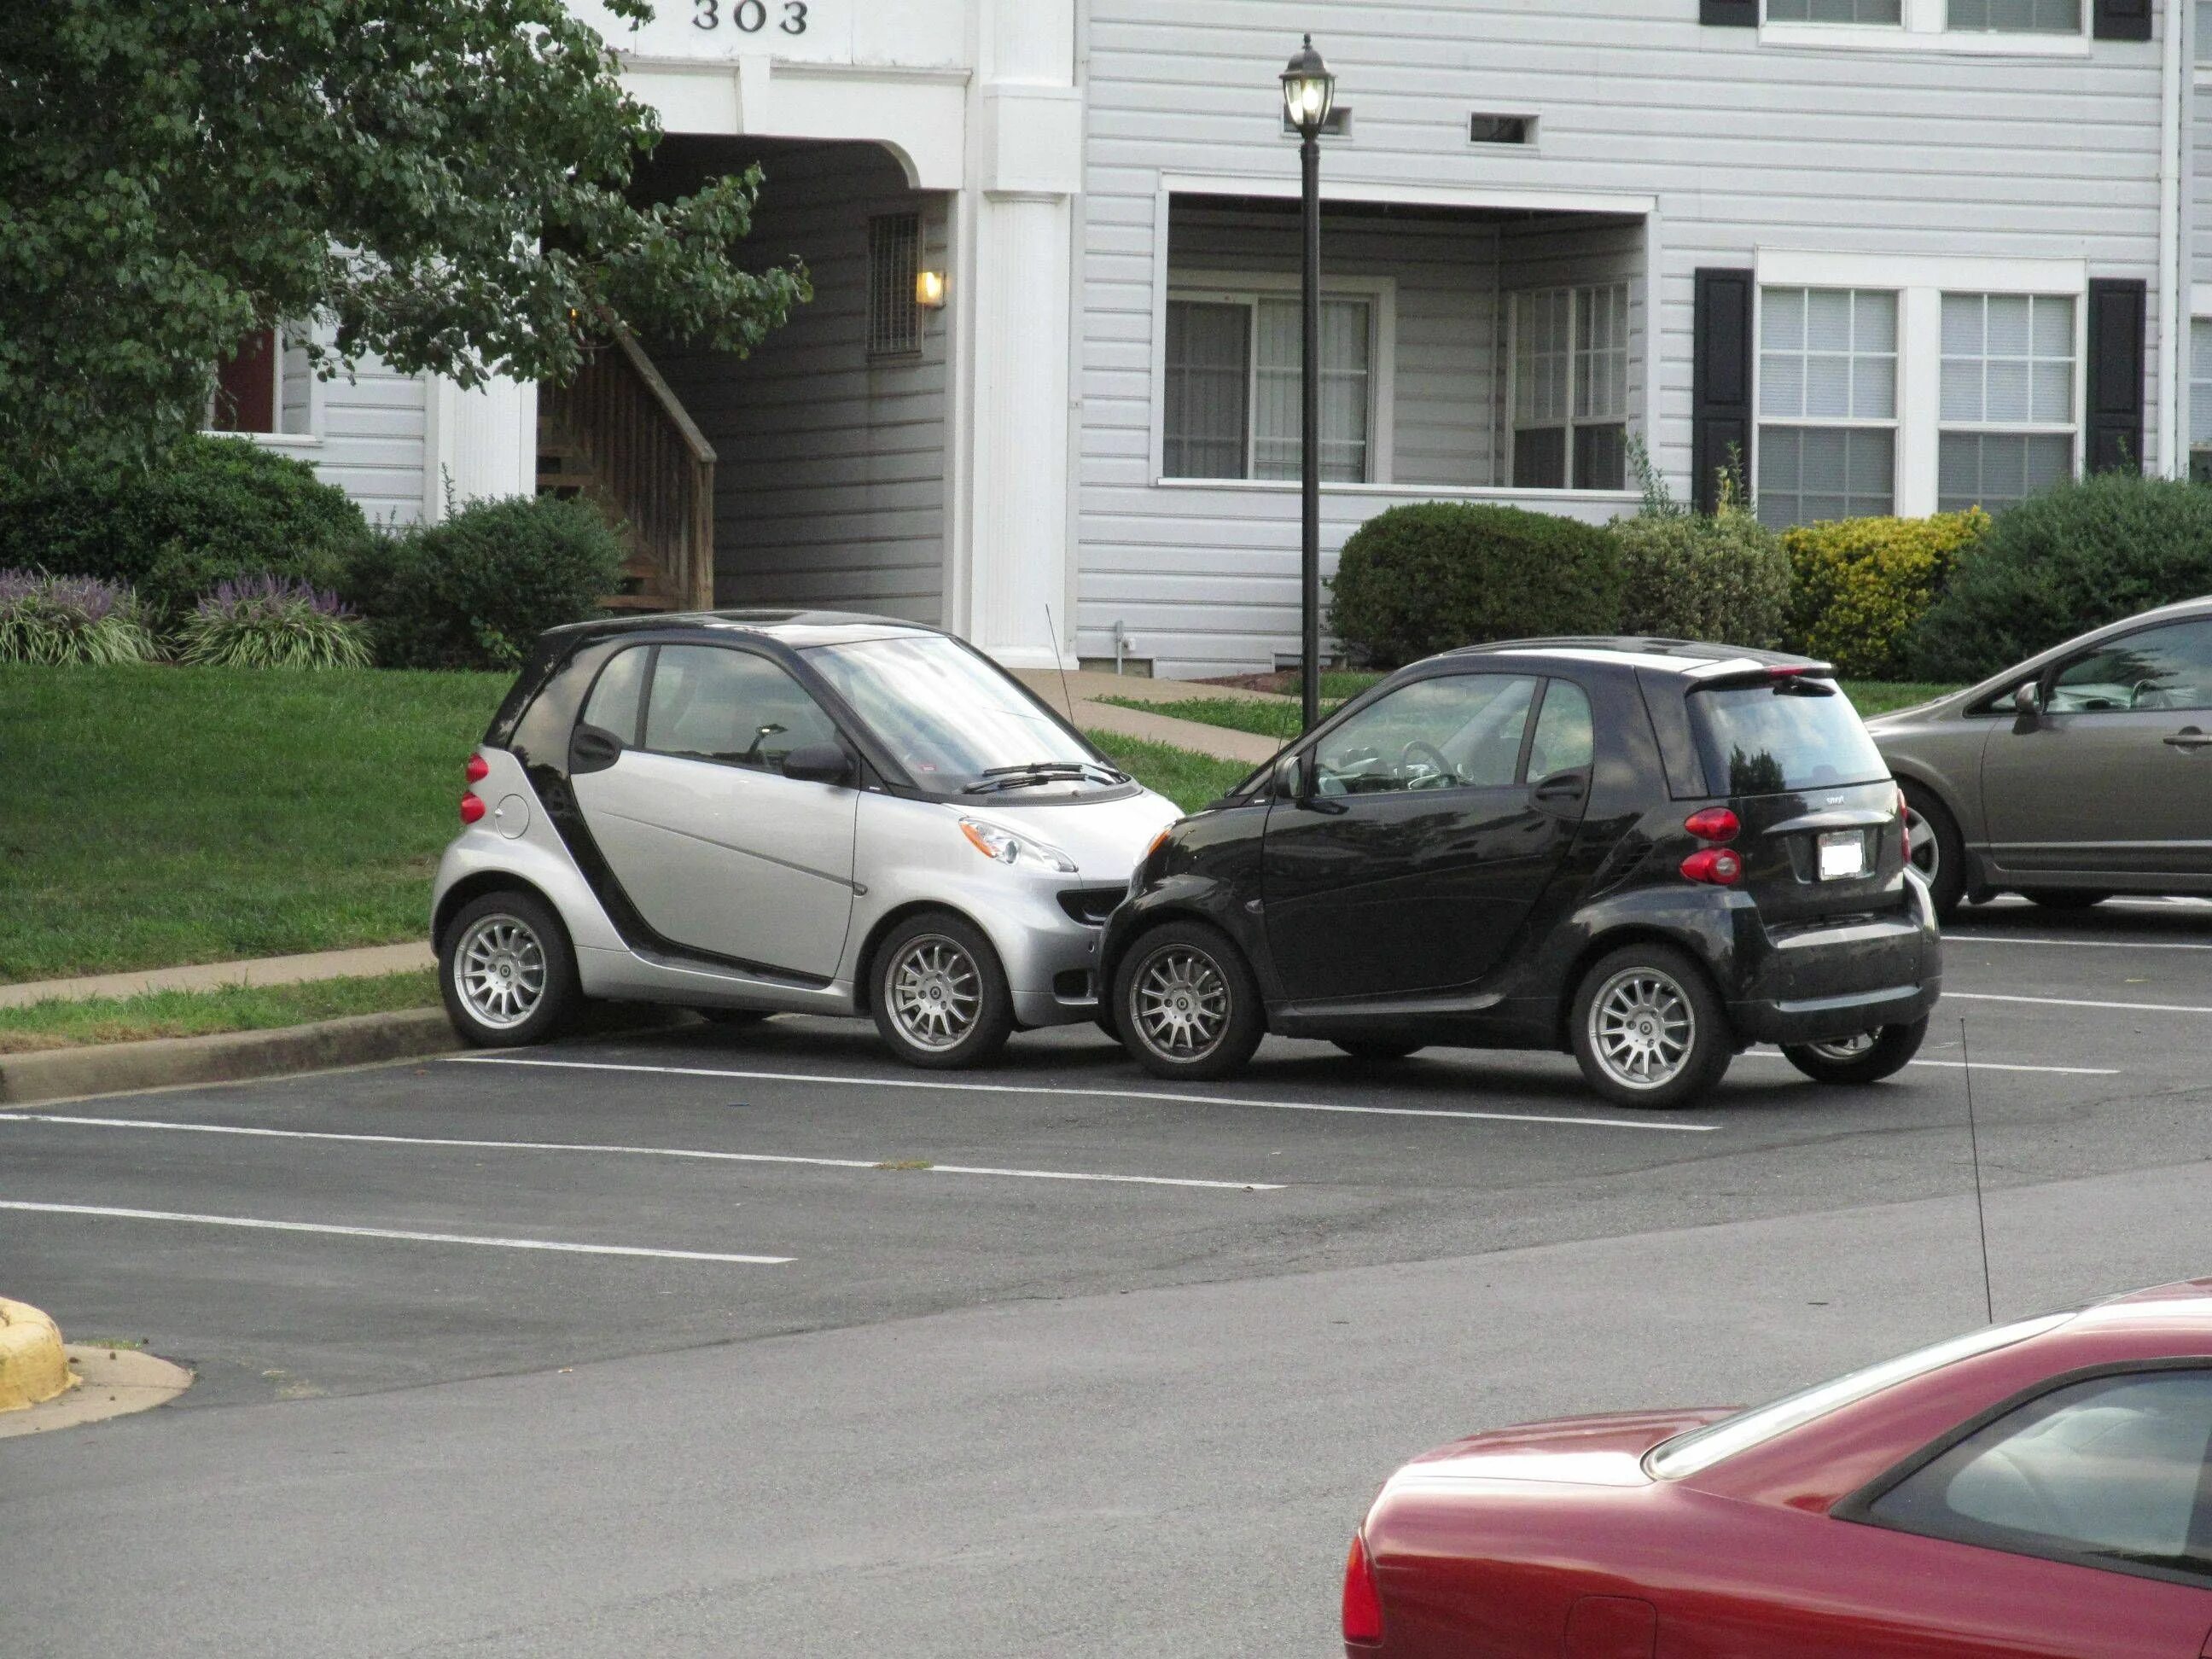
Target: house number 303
x=748, y=16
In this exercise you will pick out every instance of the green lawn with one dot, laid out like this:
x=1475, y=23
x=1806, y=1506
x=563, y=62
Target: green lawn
x=1281, y=719
x=152, y=816
x=195, y=1013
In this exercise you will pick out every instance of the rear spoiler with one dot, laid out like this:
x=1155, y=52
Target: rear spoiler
x=1804, y=679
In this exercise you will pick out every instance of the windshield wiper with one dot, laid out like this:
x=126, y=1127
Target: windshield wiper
x=998, y=778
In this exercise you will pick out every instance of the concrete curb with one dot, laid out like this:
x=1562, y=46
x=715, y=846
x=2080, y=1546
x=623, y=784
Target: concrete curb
x=225, y=1057
x=33, y=1368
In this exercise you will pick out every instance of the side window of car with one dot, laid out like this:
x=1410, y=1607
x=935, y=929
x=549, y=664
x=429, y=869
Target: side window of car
x=613, y=704
x=1455, y=732
x=2168, y=667
x=1566, y=740
x=708, y=702
x=2110, y=1472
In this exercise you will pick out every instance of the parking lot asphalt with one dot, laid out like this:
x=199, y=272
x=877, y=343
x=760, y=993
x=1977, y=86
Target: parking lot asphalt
x=751, y=1341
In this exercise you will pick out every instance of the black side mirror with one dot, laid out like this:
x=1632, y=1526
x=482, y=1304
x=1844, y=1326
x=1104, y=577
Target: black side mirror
x=819, y=762
x=593, y=749
x=2027, y=706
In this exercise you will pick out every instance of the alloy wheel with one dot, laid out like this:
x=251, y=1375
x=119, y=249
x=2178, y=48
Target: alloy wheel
x=499, y=971
x=1643, y=1028
x=935, y=992
x=1923, y=848
x=1843, y=1050
x=1182, y=1002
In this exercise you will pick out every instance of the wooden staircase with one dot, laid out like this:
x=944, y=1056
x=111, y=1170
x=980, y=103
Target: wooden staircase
x=617, y=436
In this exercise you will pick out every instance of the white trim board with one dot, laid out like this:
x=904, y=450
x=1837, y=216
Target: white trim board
x=1807, y=268
x=1334, y=189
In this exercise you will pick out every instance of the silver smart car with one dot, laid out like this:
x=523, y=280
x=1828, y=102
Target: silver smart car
x=754, y=813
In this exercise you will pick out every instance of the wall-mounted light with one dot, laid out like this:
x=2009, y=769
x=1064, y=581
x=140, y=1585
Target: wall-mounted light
x=929, y=290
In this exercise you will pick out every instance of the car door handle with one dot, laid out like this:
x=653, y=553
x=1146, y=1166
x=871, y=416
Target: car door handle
x=591, y=750
x=1566, y=790
x=2190, y=737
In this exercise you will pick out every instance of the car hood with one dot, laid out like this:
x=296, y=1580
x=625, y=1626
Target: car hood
x=1104, y=837
x=1583, y=1451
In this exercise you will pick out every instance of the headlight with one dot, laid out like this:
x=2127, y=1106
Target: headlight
x=1007, y=848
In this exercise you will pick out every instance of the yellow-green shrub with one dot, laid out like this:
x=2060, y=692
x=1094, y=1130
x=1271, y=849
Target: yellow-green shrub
x=1860, y=584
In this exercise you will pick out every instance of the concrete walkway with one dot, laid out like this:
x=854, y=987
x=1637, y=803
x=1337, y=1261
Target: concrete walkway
x=213, y=975
x=1080, y=699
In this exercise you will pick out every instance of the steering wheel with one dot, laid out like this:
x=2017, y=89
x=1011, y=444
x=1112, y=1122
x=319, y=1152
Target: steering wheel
x=1440, y=776
x=2149, y=694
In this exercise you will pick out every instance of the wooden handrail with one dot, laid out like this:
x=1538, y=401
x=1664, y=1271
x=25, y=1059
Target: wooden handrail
x=652, y=465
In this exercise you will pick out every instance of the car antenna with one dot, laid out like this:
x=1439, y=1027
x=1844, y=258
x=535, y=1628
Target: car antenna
x=1974, y=1142
x=1052, y=633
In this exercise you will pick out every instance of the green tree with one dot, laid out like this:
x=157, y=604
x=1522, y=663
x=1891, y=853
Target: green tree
x=442, y=181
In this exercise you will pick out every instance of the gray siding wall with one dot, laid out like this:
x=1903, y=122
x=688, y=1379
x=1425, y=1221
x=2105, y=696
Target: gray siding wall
x=1744, y=145
x=830, y=477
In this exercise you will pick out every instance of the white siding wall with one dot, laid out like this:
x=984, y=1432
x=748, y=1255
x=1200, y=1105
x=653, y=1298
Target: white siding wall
x=829, y=477
x=373, y=431
x=1744, y=145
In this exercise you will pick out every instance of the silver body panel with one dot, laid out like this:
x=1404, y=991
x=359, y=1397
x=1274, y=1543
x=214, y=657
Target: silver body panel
x=778, y=851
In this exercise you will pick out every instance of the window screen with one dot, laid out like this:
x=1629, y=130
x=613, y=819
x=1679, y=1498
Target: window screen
x=1208, y=357
x=894, y=261
x=2008, y=398
x=2017, y=16
x=1827, y=403
x=1835, y=11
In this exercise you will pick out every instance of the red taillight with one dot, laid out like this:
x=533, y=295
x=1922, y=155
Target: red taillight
x=478, y=769
x=1714, y=866
x=1714, y=823
x=1903, y=807
x=1362, y=1607
x=473, y=807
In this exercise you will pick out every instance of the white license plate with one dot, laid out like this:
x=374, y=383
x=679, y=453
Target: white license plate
x=1843, y=855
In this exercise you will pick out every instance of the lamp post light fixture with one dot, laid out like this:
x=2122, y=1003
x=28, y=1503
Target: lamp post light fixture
x=1309, y=90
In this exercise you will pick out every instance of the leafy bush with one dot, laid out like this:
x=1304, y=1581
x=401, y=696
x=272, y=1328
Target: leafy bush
x=1687, y=576
x=1861, y=584
x=210, y=510
x=273, y=622
x=2086, y=553
x=1421, y=579
x=475, y=589
x=59, y=620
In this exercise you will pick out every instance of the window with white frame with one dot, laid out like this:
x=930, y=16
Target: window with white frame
x=1835, y=11
x=2009, y=416
x=2200, y=400
x=2015, y=16
x=1571, y=388
x=1827, y=403
x=1234, y=383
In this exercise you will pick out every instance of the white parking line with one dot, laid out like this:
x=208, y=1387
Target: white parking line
x=2074, y=1002
x=1979, y=1065
x=2093, y=943
x=256, y=1224
x=916, y=1165
x=1095, y=1094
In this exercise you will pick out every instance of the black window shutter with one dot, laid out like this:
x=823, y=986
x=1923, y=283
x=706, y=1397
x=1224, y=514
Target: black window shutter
x=1720, y=381
x=1735, y=14
x=2115, y=389
x=2123, y=19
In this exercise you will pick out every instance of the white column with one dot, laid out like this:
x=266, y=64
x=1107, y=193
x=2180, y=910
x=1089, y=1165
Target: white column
x=481, y=443
x=1016, y=323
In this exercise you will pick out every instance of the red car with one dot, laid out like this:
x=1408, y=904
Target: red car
x=2038, y=1488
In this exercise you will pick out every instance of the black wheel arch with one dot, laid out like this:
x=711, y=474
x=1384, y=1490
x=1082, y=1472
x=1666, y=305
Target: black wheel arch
x=1604, y=944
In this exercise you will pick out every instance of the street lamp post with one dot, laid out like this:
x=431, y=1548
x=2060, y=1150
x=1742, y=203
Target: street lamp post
x=1308, y=90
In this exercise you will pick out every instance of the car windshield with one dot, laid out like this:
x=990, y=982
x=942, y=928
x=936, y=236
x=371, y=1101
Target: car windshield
x=1791, y=734
x=955, y=720
x=1700, y=1449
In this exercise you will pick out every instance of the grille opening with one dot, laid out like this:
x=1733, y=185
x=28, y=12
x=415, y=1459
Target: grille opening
x=1074, y=986
x=1091, y=905
x=894, y=260
x=1501, y=129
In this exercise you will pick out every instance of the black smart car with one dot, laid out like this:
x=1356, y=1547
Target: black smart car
x=1649, y=853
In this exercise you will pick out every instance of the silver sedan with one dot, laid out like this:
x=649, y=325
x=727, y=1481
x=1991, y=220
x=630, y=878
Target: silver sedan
x=2080, y=774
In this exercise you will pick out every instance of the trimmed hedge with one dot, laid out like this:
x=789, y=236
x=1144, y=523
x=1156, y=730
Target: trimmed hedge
x=1427, y=577
x=475, y=589
x=1724, y=578
x=2084, y=554
x=1859, y=585
x=211, y=510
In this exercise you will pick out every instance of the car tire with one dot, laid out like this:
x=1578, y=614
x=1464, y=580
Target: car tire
x=1867, y=1059
x=1186, y=1003
x=1934, y=847
x=939, y=994
x=2067, y=898
x=1377, y=1048
x=1649, y=1029
x=507, y=972
x=734, y=1019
